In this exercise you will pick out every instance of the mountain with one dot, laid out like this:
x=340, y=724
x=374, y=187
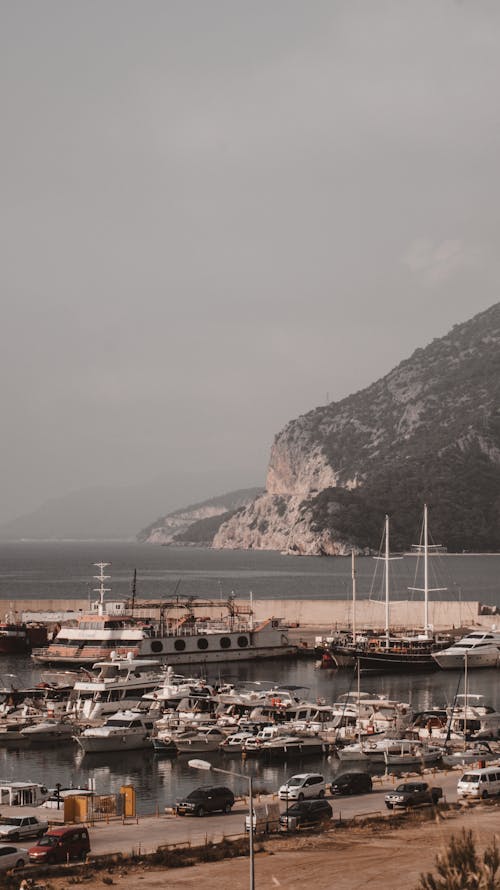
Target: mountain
x=429, y=431
x=198, y=523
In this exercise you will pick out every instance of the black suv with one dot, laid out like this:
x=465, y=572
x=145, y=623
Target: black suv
x=352, y=783
x=206, y=799
x=306, y=814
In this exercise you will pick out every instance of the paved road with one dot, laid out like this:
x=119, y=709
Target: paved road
x=149, y=832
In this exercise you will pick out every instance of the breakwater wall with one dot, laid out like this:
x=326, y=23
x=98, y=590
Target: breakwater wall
x=443, y=614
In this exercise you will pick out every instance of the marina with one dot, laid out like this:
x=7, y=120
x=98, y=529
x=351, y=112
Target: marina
x=326, y=701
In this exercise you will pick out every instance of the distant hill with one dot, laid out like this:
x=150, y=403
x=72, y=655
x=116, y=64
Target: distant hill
x=198, y=523
x=427, y=431
x=108, y=513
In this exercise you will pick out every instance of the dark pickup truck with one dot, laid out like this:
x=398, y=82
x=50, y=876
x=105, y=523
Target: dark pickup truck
x=411, y=794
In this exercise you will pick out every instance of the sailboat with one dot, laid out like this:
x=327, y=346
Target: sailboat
x=388, y=652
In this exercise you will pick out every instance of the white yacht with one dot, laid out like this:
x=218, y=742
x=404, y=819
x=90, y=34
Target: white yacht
x=113, y=686
x=482, y=649
x=123, y=731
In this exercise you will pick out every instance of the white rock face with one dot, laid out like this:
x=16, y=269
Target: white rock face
x=277, y=522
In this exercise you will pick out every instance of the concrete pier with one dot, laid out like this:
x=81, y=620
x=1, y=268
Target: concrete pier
x=334, y=614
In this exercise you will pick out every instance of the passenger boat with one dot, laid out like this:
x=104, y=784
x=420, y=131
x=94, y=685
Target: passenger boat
x=123, y=731
x=187, y=640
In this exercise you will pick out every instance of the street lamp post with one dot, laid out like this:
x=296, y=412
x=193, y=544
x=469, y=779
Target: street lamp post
x=205, y=765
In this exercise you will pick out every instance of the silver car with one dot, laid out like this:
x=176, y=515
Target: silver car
x=12, y=857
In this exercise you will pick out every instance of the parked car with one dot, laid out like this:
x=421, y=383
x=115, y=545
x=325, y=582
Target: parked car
x=410, y=794
x=12, y=857
x=206, y=799
x=302, y=786
x=16, y=827
x=352, y=783
x=61, y=844
x=306, y=814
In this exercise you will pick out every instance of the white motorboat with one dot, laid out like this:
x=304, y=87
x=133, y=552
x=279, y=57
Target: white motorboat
x=233, y=744
x=372, y=751
x=482, y=649
x=50, y=730
x=205, y=738
x=123, y=731
x=471, y=753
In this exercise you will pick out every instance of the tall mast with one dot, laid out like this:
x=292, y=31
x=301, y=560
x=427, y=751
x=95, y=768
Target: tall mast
x=387, y=559
x=387, y=625
x=353, y=576
x=426, y=572
x=424, y=548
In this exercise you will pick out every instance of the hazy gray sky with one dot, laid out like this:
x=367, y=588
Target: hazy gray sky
x=216, y=213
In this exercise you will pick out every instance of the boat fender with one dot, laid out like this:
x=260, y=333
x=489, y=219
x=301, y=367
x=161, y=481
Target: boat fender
x=370, y=729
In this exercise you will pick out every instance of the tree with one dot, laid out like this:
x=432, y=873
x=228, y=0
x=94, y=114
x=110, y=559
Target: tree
x=460, y=867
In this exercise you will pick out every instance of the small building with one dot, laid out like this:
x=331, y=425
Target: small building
x=22, y=794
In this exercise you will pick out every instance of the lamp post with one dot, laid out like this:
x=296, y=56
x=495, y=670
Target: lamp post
x=205, y=765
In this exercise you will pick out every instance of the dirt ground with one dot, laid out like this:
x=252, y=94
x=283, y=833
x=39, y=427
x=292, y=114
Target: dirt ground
x=379, y=856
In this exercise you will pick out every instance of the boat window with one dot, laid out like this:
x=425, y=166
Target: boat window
x=156, y=646
x=242, y=642
x=225, y=643
x=180, y=645
x=202, y=643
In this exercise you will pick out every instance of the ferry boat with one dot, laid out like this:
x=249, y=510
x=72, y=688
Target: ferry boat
x=187, y=640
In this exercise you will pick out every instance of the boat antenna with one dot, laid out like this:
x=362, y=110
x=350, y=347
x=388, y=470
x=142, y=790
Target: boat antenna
x=101, y=590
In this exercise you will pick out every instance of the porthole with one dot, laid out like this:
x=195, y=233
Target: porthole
x=180, y=645
x=225, y=643
x=202, y=643
x=242, y=642
x=156, y=646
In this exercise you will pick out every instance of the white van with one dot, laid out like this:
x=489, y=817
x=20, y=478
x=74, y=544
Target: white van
x=479, y=783
x=302, y=786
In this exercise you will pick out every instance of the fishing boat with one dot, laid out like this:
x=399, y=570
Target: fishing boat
x=410, y=753
x=18, y=638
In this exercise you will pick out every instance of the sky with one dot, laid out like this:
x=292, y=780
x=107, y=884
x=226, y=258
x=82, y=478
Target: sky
x=217, y=215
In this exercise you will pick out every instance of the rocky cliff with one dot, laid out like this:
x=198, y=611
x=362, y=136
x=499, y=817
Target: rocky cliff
x=428, y=430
